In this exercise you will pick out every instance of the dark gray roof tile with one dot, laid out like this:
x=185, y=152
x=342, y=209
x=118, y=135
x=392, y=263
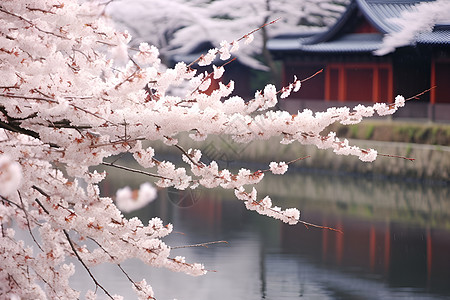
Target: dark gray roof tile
x=363, y=42
x=441, y=37
x=379, y=13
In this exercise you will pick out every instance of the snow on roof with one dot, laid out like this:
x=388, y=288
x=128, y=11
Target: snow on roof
x=380, y=13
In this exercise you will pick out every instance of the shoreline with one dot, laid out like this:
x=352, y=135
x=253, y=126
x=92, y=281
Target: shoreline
x=432, y=162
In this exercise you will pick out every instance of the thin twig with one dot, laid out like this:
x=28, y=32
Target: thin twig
x=129, y=78
x=28, y=97
x=31, y=23
x=188, y=156
x=8, y=95
x=9, y=201
x=288, y=163
x=259, y=28
x=397, y=156
x=208, y=76
x=420, y=94
x=121, y=141
x=320, y=226
x=308, y=78
x=228, y=62
x=297, y=159
x=37, y=200
x=97, y=284
x=199, y=245
x=41, y=206
x=135, y=170
x=118, y=265
x=40, y=191
x=392, y=105
x=240, y=39
x=28, y=222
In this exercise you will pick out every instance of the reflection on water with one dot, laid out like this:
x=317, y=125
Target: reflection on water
x=396, y=242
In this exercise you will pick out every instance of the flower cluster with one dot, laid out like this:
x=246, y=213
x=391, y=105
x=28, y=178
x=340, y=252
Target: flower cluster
x=278, y=168
x=264, y=207
x=127, y=200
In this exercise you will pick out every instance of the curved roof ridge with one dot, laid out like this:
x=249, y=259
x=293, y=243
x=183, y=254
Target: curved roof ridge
x=379, y=12
x=342, y=36
x=371, y=17
x=336, y=27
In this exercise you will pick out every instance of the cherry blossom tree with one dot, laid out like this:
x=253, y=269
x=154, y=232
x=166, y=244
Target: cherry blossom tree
x=178, y=27
x=72, y=95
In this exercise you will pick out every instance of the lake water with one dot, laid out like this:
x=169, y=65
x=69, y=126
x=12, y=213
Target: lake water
x=395, y=245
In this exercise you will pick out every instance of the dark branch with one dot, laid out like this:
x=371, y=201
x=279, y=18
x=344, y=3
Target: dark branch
x=84, y=265
x=18, y=129
x=135, y=170
x=28, y=222
x=199, y=245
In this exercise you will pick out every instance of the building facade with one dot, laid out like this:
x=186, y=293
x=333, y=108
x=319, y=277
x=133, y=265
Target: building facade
x=352, y=73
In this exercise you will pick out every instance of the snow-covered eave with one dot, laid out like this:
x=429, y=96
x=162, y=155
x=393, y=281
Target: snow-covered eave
x=352, y=43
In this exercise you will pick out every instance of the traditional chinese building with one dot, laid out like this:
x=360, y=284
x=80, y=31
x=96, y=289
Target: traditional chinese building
x=353, y=73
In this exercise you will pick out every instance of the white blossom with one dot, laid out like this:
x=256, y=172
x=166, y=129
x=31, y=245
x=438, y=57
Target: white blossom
x=224, y=50
x=128, y=200
x=368, y=156
x=234, y=46
x=218, y=72
x=249, y=38
x=278, y=168
x=10, y=175
x=143, y=290
x=208, y=58
x=297, y=84
x=399, y=101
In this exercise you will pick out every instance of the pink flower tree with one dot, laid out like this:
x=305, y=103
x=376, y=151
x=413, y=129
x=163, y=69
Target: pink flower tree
x=72, y=94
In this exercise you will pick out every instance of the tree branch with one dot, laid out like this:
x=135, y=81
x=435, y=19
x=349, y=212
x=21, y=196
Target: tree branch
x=31, y=23
x=18, y=129
x=199, y=245
x=84, y=265
x=135, y=170
x=118, y=265
x=28, y=221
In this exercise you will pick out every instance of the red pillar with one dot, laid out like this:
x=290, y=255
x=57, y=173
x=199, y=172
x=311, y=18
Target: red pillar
x=372, y=247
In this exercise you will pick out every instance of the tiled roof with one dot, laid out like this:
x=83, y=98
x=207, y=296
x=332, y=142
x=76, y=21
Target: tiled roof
x=378, y=12
x=363, y=42
x=435, y=37
x=349, y=43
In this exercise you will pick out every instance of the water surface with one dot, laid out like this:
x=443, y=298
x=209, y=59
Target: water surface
x=396, y=242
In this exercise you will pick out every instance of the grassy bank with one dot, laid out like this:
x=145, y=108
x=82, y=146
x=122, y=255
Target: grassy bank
x=395, y=131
